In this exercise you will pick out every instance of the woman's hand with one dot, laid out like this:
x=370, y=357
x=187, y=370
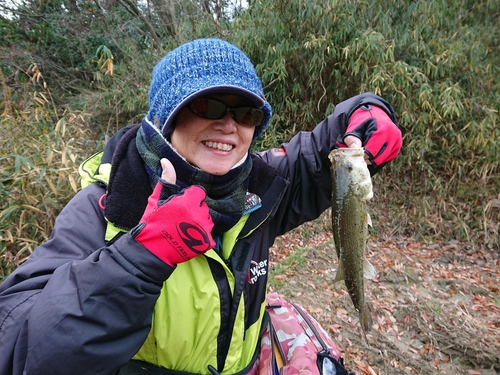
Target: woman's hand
x=176, y=227
x=352, y=141
x=168, y=171
x=372, y=128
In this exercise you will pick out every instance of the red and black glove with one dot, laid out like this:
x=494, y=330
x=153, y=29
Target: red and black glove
x=379, y=135
x=178, y=227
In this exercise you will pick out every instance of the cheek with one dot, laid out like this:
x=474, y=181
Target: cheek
x=246, y=135
x=184, y=134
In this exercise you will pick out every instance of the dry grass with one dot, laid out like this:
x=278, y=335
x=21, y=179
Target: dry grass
x=38, y=175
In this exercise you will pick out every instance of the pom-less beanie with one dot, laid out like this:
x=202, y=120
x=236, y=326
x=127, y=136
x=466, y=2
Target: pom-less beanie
x=201, y=67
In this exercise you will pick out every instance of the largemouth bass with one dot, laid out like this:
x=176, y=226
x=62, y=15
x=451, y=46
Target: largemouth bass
x=351, y=188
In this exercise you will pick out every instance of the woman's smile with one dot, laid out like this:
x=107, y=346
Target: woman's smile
x=218, y=146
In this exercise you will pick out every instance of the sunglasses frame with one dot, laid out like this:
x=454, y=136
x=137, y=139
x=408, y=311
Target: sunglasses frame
x=234, y=111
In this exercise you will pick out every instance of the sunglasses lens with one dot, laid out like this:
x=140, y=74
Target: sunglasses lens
x=213, y=109
x=208, y=108
x=248, y=116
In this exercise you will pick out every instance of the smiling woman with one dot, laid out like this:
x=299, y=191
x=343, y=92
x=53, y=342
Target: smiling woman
x=149, y=267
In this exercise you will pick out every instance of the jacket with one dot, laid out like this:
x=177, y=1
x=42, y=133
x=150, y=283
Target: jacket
x=81, y=303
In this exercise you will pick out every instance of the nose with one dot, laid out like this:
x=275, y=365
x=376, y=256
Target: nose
x=227, y=124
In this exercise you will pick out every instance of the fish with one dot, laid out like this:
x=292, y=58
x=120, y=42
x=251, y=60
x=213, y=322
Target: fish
x=351, y=189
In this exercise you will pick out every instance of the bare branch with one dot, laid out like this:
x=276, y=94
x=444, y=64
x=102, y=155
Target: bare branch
x=167, y=15
x=132, y=8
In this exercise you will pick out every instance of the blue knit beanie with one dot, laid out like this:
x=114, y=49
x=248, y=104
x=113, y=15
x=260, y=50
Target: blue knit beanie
x=201, y=67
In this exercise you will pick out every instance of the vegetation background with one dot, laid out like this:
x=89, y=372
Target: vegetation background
x=74, y=71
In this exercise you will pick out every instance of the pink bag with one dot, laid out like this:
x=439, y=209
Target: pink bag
x=295, y=343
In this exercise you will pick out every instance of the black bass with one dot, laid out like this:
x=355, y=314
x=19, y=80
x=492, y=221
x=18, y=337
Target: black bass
x=351, y=188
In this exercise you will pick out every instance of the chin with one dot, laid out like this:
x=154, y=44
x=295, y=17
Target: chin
x=218, y=172
x=215, y=170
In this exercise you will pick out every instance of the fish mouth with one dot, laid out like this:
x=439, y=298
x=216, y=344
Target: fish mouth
x=219, y=146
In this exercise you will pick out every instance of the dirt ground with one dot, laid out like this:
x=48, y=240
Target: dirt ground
x=436, y=306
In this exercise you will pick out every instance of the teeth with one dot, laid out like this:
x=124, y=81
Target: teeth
x=218, y=146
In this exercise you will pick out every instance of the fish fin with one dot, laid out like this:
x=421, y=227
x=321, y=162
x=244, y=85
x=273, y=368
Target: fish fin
x=369, y=271
x=369, y=219
x=340, y=272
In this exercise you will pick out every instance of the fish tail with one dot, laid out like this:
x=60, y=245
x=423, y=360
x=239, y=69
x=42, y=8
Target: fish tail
x=365, y=317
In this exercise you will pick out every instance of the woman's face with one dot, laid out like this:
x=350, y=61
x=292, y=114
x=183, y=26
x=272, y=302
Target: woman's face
x=214, y=146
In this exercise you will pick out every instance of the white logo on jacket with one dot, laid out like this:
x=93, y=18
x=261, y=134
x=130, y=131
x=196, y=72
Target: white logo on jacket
x=256, y=270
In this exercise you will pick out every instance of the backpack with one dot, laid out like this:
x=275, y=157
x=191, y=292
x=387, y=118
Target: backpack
x=294, y=343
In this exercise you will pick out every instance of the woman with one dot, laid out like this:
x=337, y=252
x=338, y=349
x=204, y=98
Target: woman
x=161, y=261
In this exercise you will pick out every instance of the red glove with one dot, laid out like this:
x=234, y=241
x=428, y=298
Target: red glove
x=177, y=228
x=379, y=135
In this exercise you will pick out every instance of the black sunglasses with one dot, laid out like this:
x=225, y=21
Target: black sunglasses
x=214, y=110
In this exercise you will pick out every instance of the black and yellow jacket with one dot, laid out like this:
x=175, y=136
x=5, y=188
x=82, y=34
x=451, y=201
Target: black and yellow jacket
x=91, y=298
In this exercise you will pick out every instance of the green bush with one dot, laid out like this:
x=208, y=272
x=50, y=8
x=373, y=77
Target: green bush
x=434, y=61
x=73, y=77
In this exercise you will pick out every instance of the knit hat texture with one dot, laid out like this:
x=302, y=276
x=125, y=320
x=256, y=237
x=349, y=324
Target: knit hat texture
x=198, y=68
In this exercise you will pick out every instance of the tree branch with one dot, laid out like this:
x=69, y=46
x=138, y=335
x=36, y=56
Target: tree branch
x=130, y=6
